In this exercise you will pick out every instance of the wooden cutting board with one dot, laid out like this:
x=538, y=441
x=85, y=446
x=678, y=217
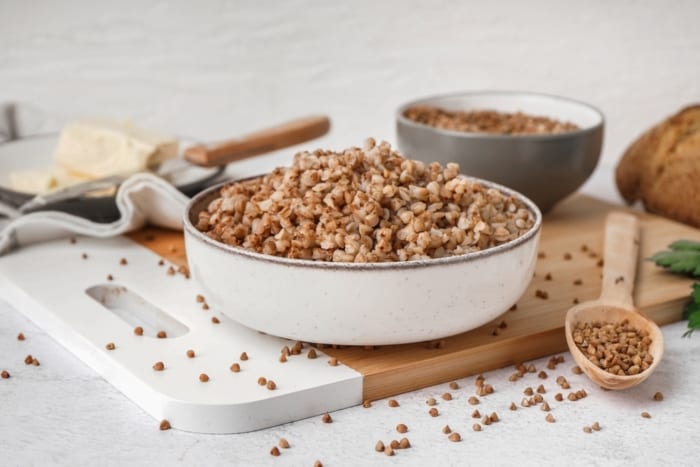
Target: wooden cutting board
x=535, y=327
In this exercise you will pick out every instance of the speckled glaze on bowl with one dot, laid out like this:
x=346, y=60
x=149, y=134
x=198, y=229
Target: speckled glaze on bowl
x=546, y=168
x=360, y=303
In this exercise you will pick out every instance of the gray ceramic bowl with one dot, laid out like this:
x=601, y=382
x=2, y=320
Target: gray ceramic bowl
x=546, y=168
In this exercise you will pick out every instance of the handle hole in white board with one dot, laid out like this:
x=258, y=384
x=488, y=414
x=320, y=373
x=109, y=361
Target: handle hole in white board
x=136, y=311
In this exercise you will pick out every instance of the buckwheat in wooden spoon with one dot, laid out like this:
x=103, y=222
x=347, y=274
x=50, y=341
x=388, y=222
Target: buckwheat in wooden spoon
x=614, y=306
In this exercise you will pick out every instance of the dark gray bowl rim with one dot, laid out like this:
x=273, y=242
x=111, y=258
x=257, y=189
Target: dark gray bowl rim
x=400, y=117
x=388, y=265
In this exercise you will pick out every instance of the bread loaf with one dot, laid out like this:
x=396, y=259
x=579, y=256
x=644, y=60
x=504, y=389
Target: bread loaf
x=662, y=168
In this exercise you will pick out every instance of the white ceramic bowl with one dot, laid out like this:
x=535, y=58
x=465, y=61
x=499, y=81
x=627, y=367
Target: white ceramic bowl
x=360, y=303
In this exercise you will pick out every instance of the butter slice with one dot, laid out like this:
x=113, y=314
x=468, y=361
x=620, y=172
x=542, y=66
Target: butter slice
x=100, y=148
x=42, y=181
x=33, y=181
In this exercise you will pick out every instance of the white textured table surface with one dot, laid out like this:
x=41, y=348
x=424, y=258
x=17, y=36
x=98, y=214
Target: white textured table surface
x=214, y=69
x=63, y=413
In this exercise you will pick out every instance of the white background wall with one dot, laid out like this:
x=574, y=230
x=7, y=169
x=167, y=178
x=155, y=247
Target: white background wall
x=219, y=68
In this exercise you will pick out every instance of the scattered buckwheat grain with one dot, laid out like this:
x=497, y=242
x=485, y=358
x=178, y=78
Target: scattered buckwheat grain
x=541, y=294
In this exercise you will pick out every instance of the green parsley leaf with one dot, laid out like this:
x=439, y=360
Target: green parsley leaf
x=679, y=261
x=684, y=258
x=696, y=292
x=693, y=322
x=685, y=245
x=691, y=308
x=691, y=312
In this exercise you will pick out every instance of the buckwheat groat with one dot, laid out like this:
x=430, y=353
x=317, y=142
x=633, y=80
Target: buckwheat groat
x=487, y=121
x=363, y=205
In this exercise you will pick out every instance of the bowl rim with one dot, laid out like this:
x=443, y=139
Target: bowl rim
x=190, y=229
x=401, y=118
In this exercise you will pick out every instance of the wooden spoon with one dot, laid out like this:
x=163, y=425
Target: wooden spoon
x=615, y=303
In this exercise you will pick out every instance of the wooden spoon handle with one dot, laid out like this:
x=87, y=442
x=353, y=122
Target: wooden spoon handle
x=277, y=137
x=620, y=256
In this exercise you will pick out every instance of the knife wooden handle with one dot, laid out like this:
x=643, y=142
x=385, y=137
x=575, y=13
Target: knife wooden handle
x=277, y=137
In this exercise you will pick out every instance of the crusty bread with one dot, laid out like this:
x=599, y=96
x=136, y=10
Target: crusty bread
x=662, y=168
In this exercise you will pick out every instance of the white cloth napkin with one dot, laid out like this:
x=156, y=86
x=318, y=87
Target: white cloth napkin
x=143, y=198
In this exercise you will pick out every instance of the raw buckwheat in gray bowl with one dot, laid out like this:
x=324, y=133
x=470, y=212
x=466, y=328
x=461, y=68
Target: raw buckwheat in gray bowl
x=362, y=247
x=543, y=146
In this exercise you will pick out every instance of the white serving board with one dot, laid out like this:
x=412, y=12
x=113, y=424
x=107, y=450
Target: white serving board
x=61, y=292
